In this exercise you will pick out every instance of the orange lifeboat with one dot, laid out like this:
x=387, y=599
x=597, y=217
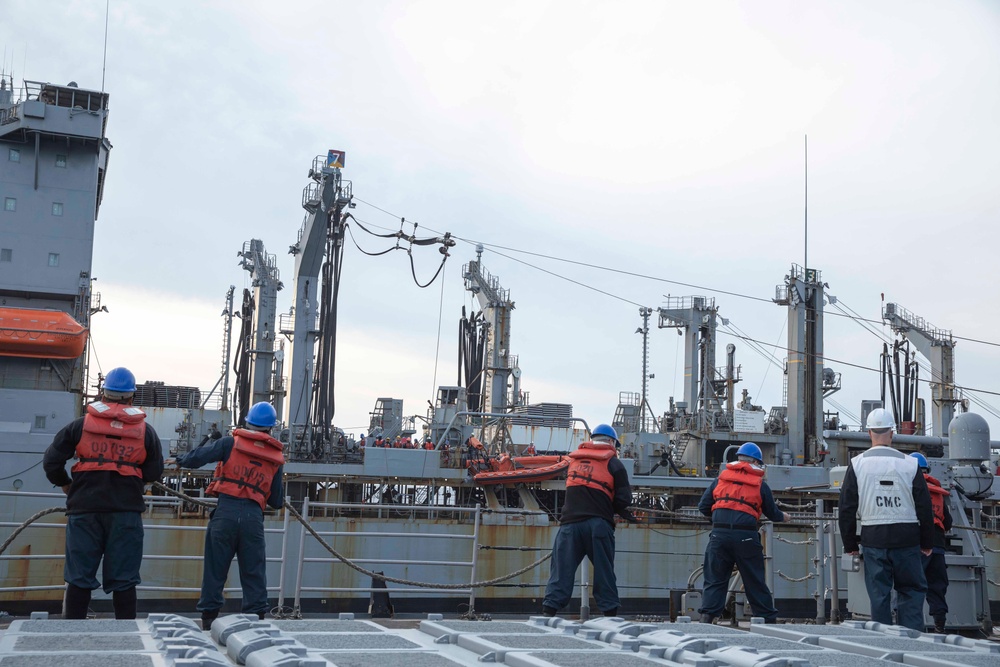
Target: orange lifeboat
x=539, y=471
x=40, y=334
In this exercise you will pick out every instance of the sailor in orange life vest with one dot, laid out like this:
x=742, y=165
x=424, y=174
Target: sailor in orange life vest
x=247, y=477
x=735, y=501
x=117, y=455
x=597, y=488
x=934, y=566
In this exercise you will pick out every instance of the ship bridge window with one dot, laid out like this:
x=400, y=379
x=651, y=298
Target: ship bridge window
x=6, y=254
x=9, y=204
x=53, y=259
x=39, y=421
x=61, y=161
x=57, y=208
x=14, y=155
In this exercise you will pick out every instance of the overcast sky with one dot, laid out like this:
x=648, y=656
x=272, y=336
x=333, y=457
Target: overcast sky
x=660, y=138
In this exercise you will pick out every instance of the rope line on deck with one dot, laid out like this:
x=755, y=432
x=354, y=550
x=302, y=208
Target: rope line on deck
x=31, y=520
x=368, y=573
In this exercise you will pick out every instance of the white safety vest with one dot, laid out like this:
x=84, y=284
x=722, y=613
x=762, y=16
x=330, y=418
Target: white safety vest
x=885, y=487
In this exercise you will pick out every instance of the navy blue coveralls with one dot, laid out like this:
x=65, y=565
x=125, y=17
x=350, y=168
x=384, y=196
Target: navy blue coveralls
x=735, y=540
x=236, y=528
x=103, y=515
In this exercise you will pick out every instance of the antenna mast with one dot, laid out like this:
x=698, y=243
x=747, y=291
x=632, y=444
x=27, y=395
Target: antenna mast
x=806, y=261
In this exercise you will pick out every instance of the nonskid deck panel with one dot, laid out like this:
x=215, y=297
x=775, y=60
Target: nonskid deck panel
x=165, y=640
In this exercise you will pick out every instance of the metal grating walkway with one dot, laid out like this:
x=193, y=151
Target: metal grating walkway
x=164, y=640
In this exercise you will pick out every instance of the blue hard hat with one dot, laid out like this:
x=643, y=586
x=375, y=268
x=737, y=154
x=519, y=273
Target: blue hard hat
x=120, y=379
x=262, y=415
x=752, y=450
x=606, y=430
x=921, y=460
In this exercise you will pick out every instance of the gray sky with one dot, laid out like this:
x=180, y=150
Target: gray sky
x=660, y=138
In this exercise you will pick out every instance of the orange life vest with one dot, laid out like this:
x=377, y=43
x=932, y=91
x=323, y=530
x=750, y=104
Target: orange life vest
x=739, y=489
x=938, y=494
x=114, y=438
x=589, y=467
x=251, y=465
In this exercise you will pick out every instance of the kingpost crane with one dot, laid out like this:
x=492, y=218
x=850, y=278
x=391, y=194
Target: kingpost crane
x=939, y=348
x=321, y=237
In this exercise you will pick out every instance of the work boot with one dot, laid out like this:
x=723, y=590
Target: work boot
x=707, y=618
x=76, y=602
x=207, y=618
x=611, y=612
x=125, y=604
x=549, y=611
x=939, y=625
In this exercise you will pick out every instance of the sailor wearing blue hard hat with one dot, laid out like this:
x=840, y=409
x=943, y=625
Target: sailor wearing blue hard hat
x=885, y=494
x=935, y=569
x=117, y=455
x=734, y=502
x=597, y=489
x=247, y=478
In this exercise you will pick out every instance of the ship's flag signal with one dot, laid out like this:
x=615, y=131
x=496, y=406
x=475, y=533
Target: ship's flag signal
x=335, y=159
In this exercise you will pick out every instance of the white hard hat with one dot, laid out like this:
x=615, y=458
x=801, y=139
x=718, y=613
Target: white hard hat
x=880, y=418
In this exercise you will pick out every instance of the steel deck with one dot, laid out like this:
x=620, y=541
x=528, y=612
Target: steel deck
x=165, y=640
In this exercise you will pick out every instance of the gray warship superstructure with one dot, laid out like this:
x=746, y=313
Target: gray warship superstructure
x=417, y=513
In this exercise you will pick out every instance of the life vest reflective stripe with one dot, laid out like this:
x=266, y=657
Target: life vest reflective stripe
x=113, y=439
x=885, y=487
x=251, y=466
x=938, y=495
x=738, y=489
x=589, y=467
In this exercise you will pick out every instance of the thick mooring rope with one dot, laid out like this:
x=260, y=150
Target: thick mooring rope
x=368, y=573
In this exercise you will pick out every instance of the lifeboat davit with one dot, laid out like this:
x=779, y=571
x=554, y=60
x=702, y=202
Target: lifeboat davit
x=40, y=334
x=526, y=469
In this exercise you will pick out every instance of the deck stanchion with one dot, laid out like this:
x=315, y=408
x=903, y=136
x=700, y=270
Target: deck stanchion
x=831, y=531
x=820, y=565
x=284, y=555
x=302, y=544
x=475, y=558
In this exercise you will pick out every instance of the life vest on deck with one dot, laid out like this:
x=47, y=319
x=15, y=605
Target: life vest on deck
x=251, y=466
x=588, y=467
x=114, y=439
x=739, y=489
x=938, y=495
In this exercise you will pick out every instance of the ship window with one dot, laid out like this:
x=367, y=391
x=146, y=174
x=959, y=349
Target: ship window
x=9, y=204
x=14, y=155
x=39, y=421
x=6, y=254
x=53, y=259
x=61, y=161
x=57, y=208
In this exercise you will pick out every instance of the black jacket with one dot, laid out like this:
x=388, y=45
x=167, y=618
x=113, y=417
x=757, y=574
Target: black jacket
x=100, y=490
x=583, y=502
